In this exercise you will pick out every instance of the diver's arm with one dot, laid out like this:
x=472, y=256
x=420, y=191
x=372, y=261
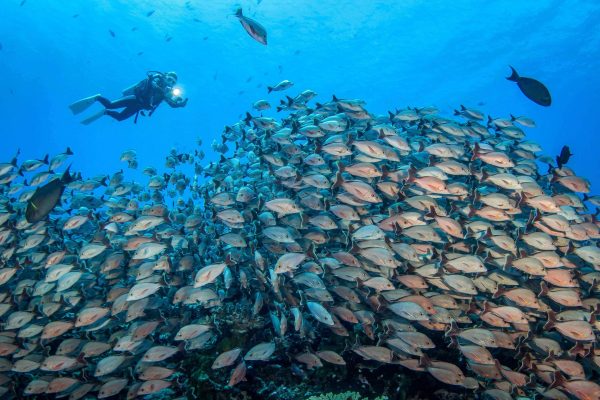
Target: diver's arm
x=176, y=101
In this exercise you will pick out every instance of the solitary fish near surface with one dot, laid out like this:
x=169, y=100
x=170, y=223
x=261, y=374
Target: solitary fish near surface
x=254, y=29
x=532, y=88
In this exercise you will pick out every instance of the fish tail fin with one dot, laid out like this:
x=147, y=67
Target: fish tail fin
x=269, y=89
x=551, y=320
x=543, y=289
x=472, y=211
x=248, y=118
x=577, y=349
x=69, y=152
x=513, y=118
x=452, y=330
x=456, y=112
x=385, y=171
x=594, y=315
x=238, y=12
x=431, y=213
x=67, y=177
x=310, y=252
x=81, y=359
x=334, y=98
x=339, y=180
x=558, y=379
x=453, y=343
x=424, y=361
x=350, y=140
x=555, y=177
x=499, y=292
x=476, y=153
x=484, y=175
x=486, y=307
x=412, y=174
x=45, y=159
x=514, y=76
x=508, y=261
x=295, y=126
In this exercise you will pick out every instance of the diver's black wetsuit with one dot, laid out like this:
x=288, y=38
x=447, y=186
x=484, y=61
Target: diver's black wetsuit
x=149, y=93
x=130, y=104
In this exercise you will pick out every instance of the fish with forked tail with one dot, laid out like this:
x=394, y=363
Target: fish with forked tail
x=535, y=90
x=254, y=29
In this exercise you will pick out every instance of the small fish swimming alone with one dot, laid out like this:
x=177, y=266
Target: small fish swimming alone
x=46, y=198
x=254, y=29
x=535, y=90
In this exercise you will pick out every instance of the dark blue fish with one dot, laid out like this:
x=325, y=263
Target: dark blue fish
x=532, y=88
x=563, y=157
x=111, y=33
x=23, y=3
x=149, y=14
x=254, y=29
x=46, y=198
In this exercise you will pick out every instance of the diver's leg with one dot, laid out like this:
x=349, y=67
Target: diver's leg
x=122, y=115
x=127, y=101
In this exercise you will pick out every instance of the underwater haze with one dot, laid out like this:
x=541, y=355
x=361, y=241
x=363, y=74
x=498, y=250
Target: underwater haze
x=392, y=54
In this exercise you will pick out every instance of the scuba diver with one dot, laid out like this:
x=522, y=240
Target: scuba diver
x=145, y=95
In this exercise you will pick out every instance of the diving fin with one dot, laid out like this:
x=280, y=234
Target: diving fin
x=81, y=105
x=93, y=117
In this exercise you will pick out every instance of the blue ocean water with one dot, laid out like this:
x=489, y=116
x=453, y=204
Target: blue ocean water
x=390, y=53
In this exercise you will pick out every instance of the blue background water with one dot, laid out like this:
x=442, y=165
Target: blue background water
x=390, y=53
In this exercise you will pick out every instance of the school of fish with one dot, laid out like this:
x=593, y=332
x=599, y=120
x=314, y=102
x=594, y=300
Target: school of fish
x=392, y=235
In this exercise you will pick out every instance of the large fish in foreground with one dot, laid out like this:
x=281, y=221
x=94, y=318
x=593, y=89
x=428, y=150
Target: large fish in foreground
x=46, y=198
x=532, y=88
x=254, y=29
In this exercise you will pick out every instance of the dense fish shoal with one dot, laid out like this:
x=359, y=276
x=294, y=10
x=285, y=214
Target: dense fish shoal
x=329, y=245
